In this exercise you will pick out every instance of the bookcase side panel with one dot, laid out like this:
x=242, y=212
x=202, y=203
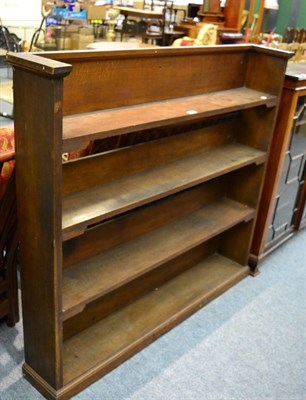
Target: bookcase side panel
x=266, y=71
x=38, y=121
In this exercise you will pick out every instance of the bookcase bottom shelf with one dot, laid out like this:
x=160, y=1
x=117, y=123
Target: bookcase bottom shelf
x=92, y=353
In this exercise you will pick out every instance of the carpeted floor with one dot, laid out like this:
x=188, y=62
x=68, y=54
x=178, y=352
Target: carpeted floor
x=249, y=344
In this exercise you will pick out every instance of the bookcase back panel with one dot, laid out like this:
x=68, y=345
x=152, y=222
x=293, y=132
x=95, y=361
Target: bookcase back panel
x=117, y=81
x=254, y=127
x=249, y=192
x=154, y=133
x=152, y=314
x=173, y=226
x=124, y=295
x=138, y=222
x=81, y=174
x=235, y=242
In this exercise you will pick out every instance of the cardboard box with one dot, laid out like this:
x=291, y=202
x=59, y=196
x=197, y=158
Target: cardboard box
x=86, y=30
x=70, y=29
x=138, y=4
x=96, y=12
x=64, y=43
x=79, y=42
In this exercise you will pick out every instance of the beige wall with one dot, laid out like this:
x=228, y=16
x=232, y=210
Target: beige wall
x=21, y=17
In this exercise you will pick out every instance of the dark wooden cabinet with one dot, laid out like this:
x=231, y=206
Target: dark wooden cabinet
x=282, y=210
x=120, y=246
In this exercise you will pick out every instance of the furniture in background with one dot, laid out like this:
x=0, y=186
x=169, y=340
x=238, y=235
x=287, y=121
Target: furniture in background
x=282, y=210
x=253, y=19
x=234, y=18
x=119, y=247
x=294, y=35
x=8, y=230
x=8, y=42
x=298, y=50
x=154, y=24
x=207, y=36
x=295, y=40
x=137, y=19
x=210, y=11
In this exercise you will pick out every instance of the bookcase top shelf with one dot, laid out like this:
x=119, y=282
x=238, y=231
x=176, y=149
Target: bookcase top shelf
x=78, y=129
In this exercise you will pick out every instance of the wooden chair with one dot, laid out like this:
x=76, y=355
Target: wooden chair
x=8, y=231
x=295, y=35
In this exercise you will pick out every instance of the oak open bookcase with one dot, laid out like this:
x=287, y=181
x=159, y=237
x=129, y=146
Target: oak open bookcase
x=120, y=246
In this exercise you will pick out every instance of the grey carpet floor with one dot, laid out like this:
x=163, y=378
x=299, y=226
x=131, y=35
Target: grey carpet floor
x=248, y=344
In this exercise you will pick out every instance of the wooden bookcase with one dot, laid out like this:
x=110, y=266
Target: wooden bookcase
x=120, y=246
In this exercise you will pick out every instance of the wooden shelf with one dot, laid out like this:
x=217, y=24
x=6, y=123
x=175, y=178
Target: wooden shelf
x=99, y=275
x=81, y=128
x=141, y=322
x=98, y=203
